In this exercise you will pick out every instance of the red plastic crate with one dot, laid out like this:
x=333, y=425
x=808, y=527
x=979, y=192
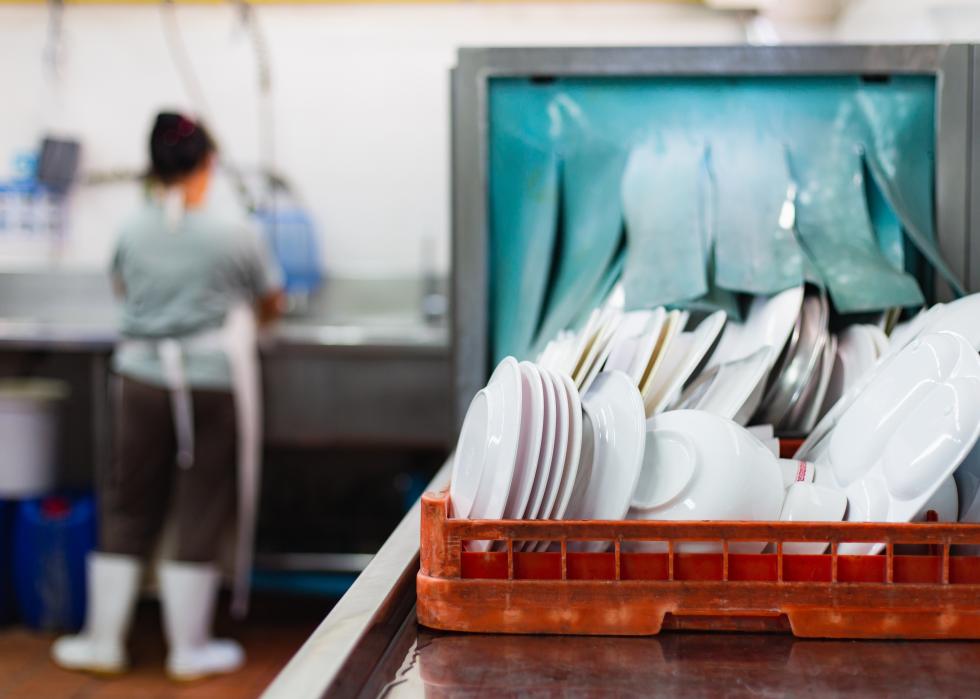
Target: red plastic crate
x=621, y=593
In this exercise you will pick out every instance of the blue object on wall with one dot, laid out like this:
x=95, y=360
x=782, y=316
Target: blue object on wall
x=292, y=237
x=52, y=538
x=833, y=130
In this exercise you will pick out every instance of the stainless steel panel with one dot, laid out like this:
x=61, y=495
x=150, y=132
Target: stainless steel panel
x=953, y=102
x=342, y=654
x=973, y=138
x=356, y=398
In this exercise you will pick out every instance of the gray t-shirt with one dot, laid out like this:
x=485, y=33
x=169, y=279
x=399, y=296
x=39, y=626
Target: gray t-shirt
x=181, y=280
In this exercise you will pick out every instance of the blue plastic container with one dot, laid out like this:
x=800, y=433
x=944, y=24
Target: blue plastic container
x=6, y=562
x=52, y=537
x=292, y=237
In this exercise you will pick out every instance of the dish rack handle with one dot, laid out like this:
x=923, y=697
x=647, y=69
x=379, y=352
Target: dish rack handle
x=439, y=550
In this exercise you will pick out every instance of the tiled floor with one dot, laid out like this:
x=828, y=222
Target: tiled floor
x=273, y=632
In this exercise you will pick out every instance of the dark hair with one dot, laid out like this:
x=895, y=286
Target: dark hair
x=178, y=146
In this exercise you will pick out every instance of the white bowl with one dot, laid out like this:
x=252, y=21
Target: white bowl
x=699, y=466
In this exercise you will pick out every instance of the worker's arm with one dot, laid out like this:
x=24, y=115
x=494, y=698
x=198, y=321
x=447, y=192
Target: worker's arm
x=270, y=307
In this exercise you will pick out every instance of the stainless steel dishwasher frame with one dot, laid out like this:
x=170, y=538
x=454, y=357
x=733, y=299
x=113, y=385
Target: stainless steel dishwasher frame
x=955, y=67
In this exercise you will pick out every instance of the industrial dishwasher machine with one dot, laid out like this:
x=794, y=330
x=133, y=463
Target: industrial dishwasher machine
x=539, y=136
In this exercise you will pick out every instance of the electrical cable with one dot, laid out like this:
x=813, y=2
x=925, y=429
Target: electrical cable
x=195, y=92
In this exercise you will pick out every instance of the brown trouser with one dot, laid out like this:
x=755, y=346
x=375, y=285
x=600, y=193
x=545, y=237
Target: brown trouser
x=145, y=482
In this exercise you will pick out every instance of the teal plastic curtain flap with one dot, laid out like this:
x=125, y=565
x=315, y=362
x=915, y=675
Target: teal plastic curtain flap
x=523, y=221
x=661, y=206
x=824, y=124
x=612, y=275
x=835, y=225
x=885, y=223
x=753, y=252
x=591, y=231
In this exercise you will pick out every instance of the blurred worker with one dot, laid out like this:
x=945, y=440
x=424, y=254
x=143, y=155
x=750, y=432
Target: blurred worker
x=187, y=409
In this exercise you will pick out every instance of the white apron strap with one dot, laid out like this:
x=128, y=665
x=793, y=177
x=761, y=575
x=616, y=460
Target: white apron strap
x=241, y=335
x=172, y=361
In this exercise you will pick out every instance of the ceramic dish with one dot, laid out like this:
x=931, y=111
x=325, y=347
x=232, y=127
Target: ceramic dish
x=542, y=472
x=906, y=433
x=936, y=319
x=769, y=322
x=562, y=437
x=803, y=416
x=573, y=451
x=532, y=429
x=614, y=422
x=646, y=345
x=807, y=502
x=487, y=447
x=698, y=466
x=633, y=329
x=600, y=353
x=672, y=328
x=786, y=389
x=488, y=442
x=682, y=357
x=726, y=389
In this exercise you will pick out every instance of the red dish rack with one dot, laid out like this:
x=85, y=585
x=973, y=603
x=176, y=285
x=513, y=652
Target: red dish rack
x=927, y=595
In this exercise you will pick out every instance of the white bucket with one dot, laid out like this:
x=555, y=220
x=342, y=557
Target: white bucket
x=29, y=436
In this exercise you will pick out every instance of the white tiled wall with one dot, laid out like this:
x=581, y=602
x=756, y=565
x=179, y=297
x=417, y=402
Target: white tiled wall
x=361, y=100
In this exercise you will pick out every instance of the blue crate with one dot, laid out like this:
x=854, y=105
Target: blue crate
x=52, y=538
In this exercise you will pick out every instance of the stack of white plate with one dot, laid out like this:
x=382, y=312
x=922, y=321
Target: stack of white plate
x=531, y=448
x=651, y=346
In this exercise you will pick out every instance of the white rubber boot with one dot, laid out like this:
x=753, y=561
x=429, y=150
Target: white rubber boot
x=113, y=581
x=188, y=592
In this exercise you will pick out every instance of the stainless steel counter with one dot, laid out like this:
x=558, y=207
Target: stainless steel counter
x=358, y=364
x=75, y=311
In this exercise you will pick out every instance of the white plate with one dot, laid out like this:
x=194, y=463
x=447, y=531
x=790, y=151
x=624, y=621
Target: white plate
x=614, y=418
x=879, y=338
x=906, y=433
x=600, y=352
x=561, y=448
x=770, y=321
x=532, y=428
x=573, y=452
x=501, y=432
x=726, y=389
x=646, y=345
x=961, y=316
x=546, y=452
x=936, y=319
x=631, y=331
x=682, y=358
x=672, y=328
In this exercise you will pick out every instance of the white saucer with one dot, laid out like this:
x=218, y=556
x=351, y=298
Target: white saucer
x=614, y=413
x=906, y=432
x=482, y=474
